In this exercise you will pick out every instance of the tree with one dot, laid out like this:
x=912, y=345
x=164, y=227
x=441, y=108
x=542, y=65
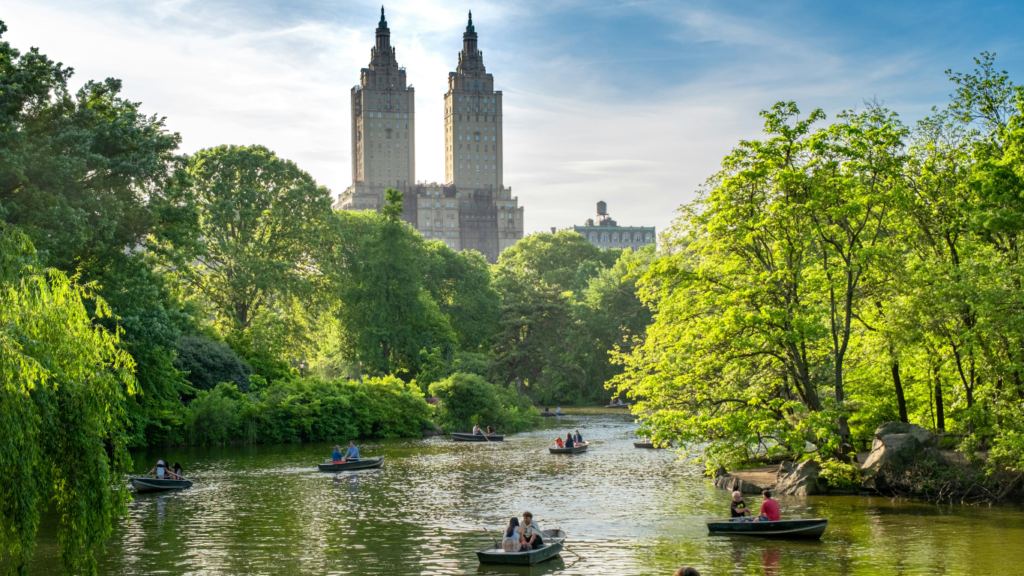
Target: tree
x=262, y=220
x=63, y=381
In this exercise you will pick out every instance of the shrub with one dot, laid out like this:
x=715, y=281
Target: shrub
x=212, y=416
x=840, y=475
x=208, y=363
x=468, y=399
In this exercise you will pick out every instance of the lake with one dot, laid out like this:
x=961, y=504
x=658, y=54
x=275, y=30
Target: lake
x=265, y=510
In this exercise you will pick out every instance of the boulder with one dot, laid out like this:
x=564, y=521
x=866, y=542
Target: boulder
x=800, y=479
x=720, y=471
x=732, y=484
x=897, y=445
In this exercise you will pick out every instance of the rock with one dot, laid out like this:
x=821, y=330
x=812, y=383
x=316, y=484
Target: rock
x=732, y=484
x=800, y=479
x=720, y=471
x=897, y=445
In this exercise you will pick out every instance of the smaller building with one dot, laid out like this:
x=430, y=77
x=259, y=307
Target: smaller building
x=606, y=233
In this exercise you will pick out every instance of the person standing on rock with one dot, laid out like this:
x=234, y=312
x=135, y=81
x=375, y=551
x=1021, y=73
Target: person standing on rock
x=769, y=509
x=739, y=508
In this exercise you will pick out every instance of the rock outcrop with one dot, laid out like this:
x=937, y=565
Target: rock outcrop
x=800, y=479
x=896, y=446
x=732, y=484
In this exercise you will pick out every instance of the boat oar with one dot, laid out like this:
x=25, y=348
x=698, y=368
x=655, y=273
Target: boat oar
x=564, y=547
x=496, y=545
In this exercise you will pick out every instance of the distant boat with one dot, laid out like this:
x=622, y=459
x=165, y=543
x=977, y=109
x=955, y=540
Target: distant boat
x=547, y=414
x=618, y=406
x=496, y=555
x=464, y=437
x=355, y=464
x=811, y=528
x=644, y=445
x=144, y=485
x=574, y=450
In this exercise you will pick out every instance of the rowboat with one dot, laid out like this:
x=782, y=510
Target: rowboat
x=464, y=437
x=354, y=464
x=618, y=406
x=574, y=450
x=551, y=414
x=811, y=528
x=495, y=555
x=644, y=445
x=144, y=485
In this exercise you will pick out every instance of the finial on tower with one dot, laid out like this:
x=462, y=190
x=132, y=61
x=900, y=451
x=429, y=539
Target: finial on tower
x=383, y=22
x=469, y=27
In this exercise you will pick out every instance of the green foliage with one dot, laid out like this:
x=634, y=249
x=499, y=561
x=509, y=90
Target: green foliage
x=207, y=363
x=63, y=381
x=308, y=410
x=840, y=475
x=468, y=399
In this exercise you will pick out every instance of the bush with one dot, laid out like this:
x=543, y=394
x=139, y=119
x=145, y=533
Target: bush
x=208, y=363
x=308, y=410
x=840, y=475
x=468, y=399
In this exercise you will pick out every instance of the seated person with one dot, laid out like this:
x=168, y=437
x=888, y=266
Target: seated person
x=512, y=540
x=738, y=508
x=160, y=470
x=352, y=452
x=176, y=471
x=769, y=509
x=477, y=431
x=558, y=410
x=531, y=532
x=620, y=401
x=489, y=431
x=558, y=442
x=336, y=456
x=578, y=439
x=568, y=441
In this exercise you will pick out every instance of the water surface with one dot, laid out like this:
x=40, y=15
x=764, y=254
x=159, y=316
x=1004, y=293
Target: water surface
x=264, y=510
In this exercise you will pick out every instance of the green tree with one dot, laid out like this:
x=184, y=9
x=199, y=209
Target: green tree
x=63, y=379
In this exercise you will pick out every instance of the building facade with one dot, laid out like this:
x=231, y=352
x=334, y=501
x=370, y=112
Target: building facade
x=606, y=233
x=473, y=209
x=383, y=119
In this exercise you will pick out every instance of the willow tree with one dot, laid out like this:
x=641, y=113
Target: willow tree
x=63, y=381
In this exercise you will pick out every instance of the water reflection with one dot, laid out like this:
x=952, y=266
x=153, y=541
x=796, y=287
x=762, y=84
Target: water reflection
x=266, y=510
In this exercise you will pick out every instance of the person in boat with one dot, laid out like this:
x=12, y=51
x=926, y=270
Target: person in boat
x=769, y=509
x=558, y=410
x=352, y=453
x=577, y=439
x=620, y=401
x=337, y=457
x=738, y=508
x=558, y=442
x=547, y=409
x=531, y=532
x=177, y=472
x=568, y=441
x=477, y=431
x=489, y=431
x=512, y=540
x=160, y=470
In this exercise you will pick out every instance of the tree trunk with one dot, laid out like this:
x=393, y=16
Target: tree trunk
x=940, y=417
x=901, y=401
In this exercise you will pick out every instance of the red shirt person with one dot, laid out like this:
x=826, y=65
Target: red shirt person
x=769, y=508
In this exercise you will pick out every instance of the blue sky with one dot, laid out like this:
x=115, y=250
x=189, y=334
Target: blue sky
x=632, y=102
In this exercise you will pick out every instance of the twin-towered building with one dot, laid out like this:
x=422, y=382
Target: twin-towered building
x=472, y=210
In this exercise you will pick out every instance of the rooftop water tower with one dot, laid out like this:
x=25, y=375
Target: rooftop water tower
x=602, y=208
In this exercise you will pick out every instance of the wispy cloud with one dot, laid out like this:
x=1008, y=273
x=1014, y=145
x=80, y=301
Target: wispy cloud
x=631, y=102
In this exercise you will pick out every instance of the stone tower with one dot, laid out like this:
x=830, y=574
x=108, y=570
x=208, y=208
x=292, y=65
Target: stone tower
x=472, y=122
x=383, y=119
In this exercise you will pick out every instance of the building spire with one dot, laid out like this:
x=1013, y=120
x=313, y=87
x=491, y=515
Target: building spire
x=383, y=22
x=469, y=27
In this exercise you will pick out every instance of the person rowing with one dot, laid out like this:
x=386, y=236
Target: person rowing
x=558, y=410
x=353, y=452
x=577, y=439
x=477, y=431
x=769, y=509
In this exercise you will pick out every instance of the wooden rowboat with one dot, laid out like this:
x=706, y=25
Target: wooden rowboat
x=464, y=437
x=811, y=528
x=495, y=555
x=144, y=485
x=574, y=450
x=644, y=445
x=360, y=464
x=618, y=406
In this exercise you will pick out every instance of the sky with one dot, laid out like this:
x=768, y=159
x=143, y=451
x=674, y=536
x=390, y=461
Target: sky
x=630, y=102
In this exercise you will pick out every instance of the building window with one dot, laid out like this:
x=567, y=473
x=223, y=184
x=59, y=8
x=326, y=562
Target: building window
x=604, y=237
x=593, y=237
x=647, y=238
